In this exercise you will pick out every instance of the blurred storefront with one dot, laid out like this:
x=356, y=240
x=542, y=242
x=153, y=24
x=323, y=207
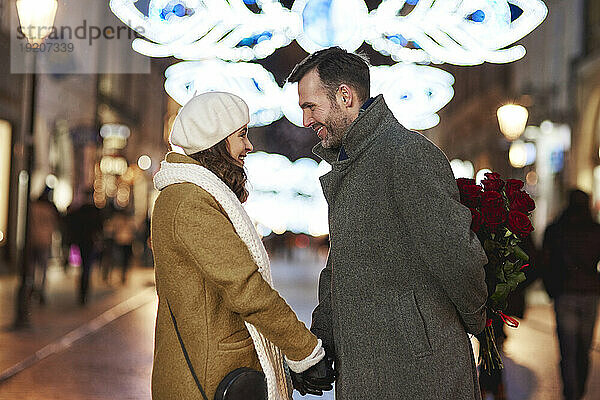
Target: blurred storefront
x=67, y=113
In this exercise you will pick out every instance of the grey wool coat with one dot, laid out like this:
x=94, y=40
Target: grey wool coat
x=404, y=280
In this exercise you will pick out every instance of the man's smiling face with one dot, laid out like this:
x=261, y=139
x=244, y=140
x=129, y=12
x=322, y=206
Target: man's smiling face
x=320, y=112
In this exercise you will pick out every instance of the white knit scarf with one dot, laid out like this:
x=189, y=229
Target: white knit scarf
x=270, y=357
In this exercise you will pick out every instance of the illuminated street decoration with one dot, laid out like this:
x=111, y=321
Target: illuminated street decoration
x=250, y=81
x=327, y=23
x=205, y=29
x=462, y=32
x=415, y=99
x=285, y=195
x=414, y=93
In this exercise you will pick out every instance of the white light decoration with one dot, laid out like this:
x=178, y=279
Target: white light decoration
x=51, y=181
x=36, y=18
x=462, y=169
x=454, y=31
x=110, y=165
x=414, y=93
x=326, y=23
x=63, y=194
x=521, y=154
x=415, y=99
x=204, y=29
x=286, y=195
x=512, y=119
x=5, y=163
x=144, y=162
x=250, y=81
x=114, y=130
x=481, y=175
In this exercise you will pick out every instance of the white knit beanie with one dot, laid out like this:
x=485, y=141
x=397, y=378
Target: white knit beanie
x=207, y=119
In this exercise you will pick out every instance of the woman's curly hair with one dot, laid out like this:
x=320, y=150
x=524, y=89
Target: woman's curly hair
x=218, y=161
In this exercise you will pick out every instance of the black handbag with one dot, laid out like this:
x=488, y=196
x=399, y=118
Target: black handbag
x=240, y=384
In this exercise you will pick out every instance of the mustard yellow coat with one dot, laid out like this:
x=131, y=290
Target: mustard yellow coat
x=212, y=284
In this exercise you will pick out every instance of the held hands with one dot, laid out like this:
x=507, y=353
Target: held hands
x=316, y=379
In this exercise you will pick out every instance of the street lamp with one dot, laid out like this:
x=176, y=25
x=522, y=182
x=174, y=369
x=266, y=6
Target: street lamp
x=512, y=119
x=37, y=18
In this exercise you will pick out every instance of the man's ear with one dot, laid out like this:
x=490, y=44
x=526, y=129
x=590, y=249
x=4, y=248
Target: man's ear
x=347, y=95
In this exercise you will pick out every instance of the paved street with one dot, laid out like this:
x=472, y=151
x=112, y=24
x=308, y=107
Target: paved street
x=104, y=350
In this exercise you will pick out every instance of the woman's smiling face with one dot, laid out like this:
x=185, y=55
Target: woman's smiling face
x=239, y=145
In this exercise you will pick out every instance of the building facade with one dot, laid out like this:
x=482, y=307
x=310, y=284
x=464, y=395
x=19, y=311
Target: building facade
x=62, y=115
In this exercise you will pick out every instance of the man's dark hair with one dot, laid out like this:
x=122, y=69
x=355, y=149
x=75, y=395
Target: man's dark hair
x=336, y=66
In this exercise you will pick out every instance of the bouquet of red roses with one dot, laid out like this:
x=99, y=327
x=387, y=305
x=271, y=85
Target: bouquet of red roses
x=500, y=212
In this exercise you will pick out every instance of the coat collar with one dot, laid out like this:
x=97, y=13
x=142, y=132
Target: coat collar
x=358, y=135
x=179, y=158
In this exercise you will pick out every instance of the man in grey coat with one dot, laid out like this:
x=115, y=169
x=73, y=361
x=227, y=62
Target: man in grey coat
x=404, y=280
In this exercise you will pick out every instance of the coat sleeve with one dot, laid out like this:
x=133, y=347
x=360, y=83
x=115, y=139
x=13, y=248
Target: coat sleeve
x=322, y=324
x=429, y=206
x=211, y=242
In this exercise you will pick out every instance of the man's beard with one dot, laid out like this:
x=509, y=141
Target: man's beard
x=336, y=126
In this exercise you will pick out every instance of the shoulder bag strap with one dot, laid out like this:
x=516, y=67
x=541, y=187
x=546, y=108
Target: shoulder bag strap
x=185, y=354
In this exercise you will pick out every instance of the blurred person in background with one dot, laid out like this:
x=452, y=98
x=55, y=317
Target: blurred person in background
x=123, y=230
x=107, y=259
x=394, y=305
x=216, y=302
x=571, y=252
x=85, y=225
x=44, y=220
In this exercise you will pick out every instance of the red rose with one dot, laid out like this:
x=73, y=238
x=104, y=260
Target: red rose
x=461, y=182
x=512, y=185
x=476, y=220
x=520, y=201
x=519, y=224
x=491, y=199
x=492, y=175
x=470, y=196
x=492, y=181
x=492, y=217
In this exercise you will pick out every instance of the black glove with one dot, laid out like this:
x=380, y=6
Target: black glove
x=302, y=386
x=321, y=375
x=316, y=379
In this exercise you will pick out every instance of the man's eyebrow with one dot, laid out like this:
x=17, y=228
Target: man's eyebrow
x=306, y=104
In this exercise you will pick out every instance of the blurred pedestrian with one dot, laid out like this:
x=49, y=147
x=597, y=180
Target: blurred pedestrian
x=404, y=280
x=107, y=260
x=571, y=252
x=85, y=227
x=123, y=230
x=44, y=219
x=216, y=304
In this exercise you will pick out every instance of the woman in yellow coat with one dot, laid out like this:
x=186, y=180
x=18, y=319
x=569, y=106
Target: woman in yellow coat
x=212, y=272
